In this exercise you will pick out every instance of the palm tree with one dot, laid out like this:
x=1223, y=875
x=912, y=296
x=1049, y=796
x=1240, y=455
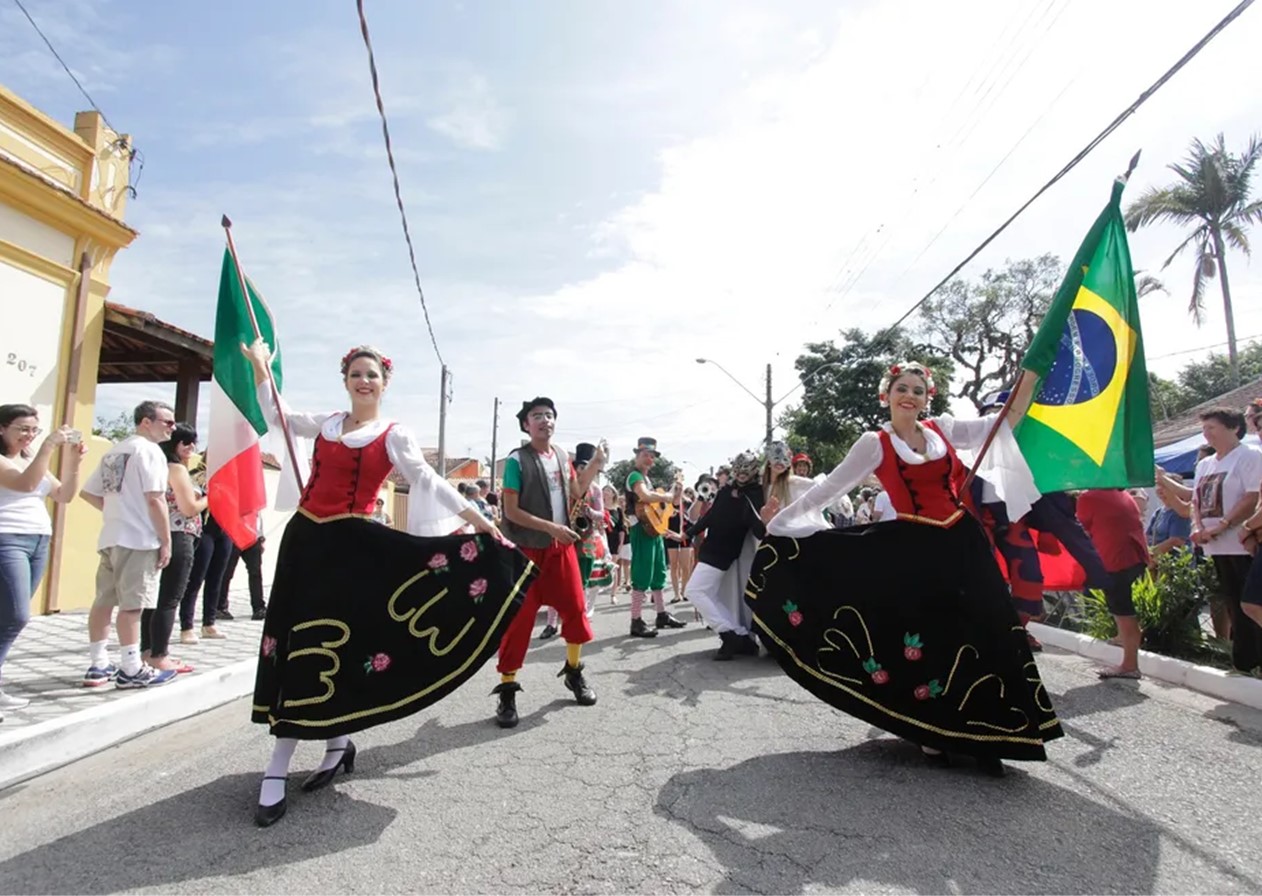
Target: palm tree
x=1212, y=196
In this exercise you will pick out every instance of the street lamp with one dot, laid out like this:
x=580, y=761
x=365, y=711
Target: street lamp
x=767, y=403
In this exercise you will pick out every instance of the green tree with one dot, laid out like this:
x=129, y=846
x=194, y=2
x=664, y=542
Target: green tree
x=840, y=403
x=661, y=474
x=116, y=428
x=985, y=327
x=1211, y=195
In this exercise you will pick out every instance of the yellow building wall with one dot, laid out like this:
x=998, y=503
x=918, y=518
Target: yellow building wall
x=72, y=182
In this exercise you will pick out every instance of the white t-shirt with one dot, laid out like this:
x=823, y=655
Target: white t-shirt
x=130, y=470
x=1219, y=485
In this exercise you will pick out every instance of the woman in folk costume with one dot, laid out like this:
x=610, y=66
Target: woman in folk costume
x=908, y=624
x=732, y=527
x=367, y=624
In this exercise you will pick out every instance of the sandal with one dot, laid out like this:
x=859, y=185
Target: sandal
x=1128, y=674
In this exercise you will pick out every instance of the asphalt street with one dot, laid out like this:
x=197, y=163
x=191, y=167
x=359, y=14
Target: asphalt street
x=688, y=776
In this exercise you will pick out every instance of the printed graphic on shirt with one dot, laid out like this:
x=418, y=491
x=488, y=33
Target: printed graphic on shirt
x=1209, y=495
x=113, y=469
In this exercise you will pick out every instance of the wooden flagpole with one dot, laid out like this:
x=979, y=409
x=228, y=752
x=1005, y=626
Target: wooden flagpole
x=271, y=380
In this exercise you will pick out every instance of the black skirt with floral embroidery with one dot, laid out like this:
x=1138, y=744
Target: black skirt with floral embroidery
x=366, y=624
x=909, y=627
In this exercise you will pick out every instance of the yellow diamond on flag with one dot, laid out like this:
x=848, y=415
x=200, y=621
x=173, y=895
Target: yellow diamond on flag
x=1084, y=389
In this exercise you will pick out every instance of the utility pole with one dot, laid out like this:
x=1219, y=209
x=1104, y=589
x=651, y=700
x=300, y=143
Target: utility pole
x=442, y=425
x=495, y=431
x=769, y=405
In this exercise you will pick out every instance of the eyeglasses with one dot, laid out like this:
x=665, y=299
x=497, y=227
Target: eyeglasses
x=539, y=416
x=169, y=424
x=28, y=430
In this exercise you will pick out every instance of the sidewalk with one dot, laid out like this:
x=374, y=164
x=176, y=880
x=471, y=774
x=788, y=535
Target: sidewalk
x=66, y=721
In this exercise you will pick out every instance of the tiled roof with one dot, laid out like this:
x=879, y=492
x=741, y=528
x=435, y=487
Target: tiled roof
x=1187, y=423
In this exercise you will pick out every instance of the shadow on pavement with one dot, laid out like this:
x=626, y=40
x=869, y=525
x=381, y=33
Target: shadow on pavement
x=874, y=817
x=144, y=849
x=1104, y=696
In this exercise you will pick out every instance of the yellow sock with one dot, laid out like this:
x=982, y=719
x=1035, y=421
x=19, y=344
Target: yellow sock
x=572, y=652
x=508, y=677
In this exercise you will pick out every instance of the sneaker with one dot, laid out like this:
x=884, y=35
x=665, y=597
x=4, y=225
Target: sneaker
x=97, y=676
x=210, y=633
x=188, y=636
x=8, y=701
x=147, y=677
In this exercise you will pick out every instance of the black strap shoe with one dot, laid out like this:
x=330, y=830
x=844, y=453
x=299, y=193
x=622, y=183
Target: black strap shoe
x=640, y=629
x=506, y=708
x=266, y=816
x=324, y=777
x=665, y=620
x=575, y=681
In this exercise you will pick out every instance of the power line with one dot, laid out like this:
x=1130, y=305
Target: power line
x=394, y=174
x=1084, y=152
x=1203, y=348
x=57, y=55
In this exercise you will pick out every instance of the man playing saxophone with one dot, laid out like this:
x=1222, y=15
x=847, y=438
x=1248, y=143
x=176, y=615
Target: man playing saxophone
x=541, y=487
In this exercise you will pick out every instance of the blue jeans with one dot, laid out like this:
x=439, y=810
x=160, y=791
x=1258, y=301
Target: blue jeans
x=22, y=562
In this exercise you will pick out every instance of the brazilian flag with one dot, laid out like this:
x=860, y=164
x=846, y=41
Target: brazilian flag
x=1089, y=424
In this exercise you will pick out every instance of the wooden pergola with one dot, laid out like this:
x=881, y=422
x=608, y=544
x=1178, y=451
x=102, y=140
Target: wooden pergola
x=137, y=347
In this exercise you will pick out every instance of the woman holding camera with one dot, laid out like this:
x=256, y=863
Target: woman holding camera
x=25, y=527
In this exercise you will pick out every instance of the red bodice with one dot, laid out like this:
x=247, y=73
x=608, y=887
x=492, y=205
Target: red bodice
x=345, y=480
x=922, y=493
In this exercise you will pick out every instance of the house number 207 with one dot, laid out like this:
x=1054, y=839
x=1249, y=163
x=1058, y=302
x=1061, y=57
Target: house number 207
x=21, y=364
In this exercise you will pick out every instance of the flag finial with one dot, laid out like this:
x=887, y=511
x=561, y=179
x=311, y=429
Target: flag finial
x=1131, y=167
x=224, y=222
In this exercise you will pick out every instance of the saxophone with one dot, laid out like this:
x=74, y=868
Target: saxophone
x=580, y=519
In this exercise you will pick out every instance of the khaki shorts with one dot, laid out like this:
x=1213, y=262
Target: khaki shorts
x=127, y=579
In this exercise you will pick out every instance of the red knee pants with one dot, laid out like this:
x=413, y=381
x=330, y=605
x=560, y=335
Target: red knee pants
x=559, y=585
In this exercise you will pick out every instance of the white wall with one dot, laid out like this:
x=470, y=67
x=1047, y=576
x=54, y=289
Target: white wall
x=31, y=311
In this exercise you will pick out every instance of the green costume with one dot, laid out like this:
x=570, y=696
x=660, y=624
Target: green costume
x=648, y=551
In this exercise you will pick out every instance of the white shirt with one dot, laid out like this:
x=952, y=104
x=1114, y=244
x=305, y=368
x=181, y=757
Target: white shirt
x=434, y=505
x=1219, y=485
x=24, y=513
x=885, y=507
x=800, y=518
x=127, y=474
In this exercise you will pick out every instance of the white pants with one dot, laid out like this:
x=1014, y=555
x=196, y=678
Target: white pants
x=719, y=594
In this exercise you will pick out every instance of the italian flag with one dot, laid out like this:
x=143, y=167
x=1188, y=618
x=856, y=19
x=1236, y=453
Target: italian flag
x=235, y=489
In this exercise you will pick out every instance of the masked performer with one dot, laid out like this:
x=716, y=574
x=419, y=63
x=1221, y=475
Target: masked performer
x=543, y=494
x=648, y=553
x=732, y=527
x=778, y=479
x=367, y=624
x=908, y=624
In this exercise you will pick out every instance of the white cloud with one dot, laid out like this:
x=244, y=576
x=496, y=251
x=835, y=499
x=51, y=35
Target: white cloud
x=471, y=115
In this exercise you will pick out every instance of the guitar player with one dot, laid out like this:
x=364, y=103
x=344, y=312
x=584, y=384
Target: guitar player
x=648, y=551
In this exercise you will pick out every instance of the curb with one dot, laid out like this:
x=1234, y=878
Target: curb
x=42, y=747
x=1213, y=682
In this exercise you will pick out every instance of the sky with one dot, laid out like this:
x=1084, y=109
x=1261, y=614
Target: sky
x=601, y=192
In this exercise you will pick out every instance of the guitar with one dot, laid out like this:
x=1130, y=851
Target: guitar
x=654, y=516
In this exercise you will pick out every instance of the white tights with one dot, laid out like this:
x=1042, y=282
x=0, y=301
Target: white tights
x=277, y=770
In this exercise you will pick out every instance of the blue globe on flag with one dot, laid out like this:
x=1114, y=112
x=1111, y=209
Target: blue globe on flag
x=1086, y=361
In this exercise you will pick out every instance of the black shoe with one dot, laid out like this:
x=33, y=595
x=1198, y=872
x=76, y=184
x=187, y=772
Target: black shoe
x=549, y=631
x=745, y=645
x=223, y=614
x=575, y=681
x=727, y=647
x=991, y=766
x=665, y=620
x=506, y=709
x=640, y=629
x=323, y=778
x=259, y=614
x=266, y=816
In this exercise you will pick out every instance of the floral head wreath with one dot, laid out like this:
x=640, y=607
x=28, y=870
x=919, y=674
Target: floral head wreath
x=367, y=351
x=887, y=381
